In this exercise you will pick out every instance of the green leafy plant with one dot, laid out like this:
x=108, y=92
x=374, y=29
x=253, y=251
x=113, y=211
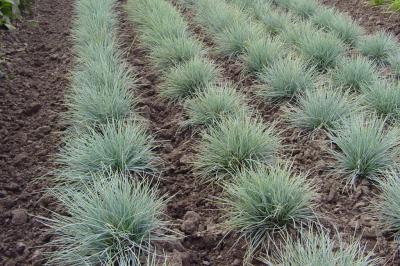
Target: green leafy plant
x=117, y=146
x=213, y=104
x=355, y=74
x=321, y=108
x=284, y=78
x=267, y=200
x=318, y=249
x=395, y=5
x=367, y=147
x=377, y=2
x=322, y=49
x=379, y=47
x=110, y=221
x=10, y=10
x=384, y=98
x=262, y=53
x=388, y=205
x=234, y=144
x=185, y=80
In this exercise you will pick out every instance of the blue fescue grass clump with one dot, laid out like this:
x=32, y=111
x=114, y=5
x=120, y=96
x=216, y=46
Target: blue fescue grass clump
x=321, y=49
x=237, y=36
x=234, y=144
x=339, y=24
x=379, y=47
x=107, y=222
x=101, y=80
x=394, y=62
x=355, y=74
x=285, y=78
x=213, y=104
x=164, y=33
x=216, y=16
x=317, y=248
x=262, y=53
x=324, y=108
x=366, y=147
x=265, y=201
x=185, y=80
x=383, y=97
x=116, y=146
x=388, y=205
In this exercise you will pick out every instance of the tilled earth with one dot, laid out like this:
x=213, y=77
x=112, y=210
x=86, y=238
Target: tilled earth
x=35, y=61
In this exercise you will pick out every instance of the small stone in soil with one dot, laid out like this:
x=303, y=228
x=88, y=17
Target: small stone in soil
x=19, y=216
x=33, y=108
x=191, y=222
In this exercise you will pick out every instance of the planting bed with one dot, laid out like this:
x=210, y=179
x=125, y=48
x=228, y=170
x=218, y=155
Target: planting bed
x=37, y=70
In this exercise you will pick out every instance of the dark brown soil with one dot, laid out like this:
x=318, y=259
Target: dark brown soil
x=372, y=18
x=34, y=61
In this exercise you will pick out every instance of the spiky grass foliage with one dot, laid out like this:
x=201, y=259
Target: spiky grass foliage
x=318, y=249
x=284, y=78
x=216, y=16
x=366, y=147
x=264, y=201
x=296, y=32
x=237, y=36
x=101, y=80
x=213, y=104
x=321, y=108
x=164, y=33
x=322, y=49
x=384, y=98
x=355, y=74
x=100, y=92
x=95, y=22
x=110, y=221
x=234, y=144
x=262, y=53
x=339, y=24
x=274, y=20
x=185, y=80
x=303, y=8
x=156, y=20
x=117, y=146
x=379, y=47
x=173, y=52
x=394, y=62
x=388, y=205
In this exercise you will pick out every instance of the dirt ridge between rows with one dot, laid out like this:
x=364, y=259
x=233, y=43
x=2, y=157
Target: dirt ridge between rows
x=35, y=61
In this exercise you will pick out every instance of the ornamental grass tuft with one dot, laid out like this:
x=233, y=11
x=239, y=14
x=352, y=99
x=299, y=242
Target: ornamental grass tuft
x=234, y=144
x=265, y=201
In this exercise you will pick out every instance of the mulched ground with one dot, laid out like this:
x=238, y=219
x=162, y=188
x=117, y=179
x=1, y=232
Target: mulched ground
x=35, y=60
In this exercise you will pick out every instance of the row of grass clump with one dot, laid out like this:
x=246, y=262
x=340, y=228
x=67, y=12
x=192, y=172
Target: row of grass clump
x=236, y=149
x=345, y=96
x=112, y=213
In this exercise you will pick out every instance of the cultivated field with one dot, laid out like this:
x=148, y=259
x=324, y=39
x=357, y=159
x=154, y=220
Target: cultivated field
x=201, y=132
